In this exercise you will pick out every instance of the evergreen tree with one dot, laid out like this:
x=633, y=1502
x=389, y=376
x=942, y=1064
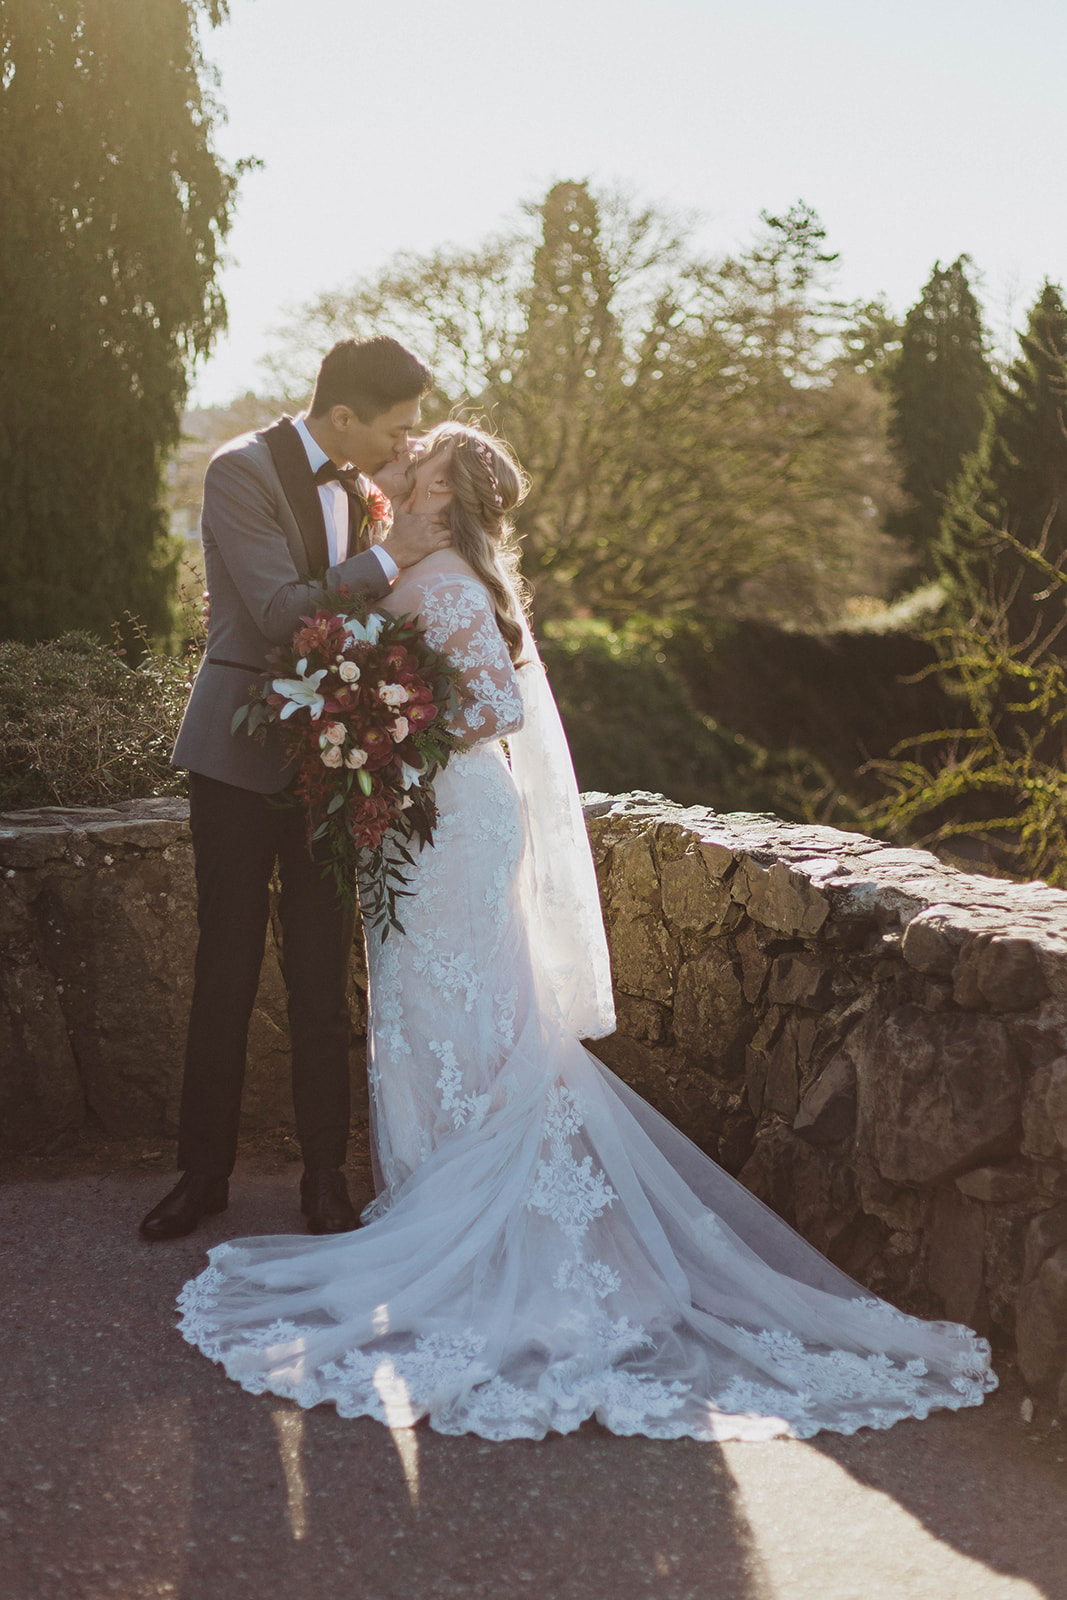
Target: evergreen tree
x=565, y=389
x=1016, y=482
x=940, y=388
x=114, y=208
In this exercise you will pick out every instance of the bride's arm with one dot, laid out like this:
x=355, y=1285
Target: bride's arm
x=459, y=619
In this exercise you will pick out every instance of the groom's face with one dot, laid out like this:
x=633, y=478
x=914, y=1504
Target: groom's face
x=372, y=444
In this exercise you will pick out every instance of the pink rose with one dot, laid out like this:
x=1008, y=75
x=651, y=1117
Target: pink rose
x=400, y=729
x=356, y=759
x=393, y=694
x=334, y=732
x=331, y=756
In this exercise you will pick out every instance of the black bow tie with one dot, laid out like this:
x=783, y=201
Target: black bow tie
x=347, y=477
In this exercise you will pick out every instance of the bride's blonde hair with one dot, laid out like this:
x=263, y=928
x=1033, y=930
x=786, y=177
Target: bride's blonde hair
x=487, y=483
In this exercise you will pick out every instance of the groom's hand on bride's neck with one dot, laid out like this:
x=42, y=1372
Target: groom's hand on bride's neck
x=416, y=535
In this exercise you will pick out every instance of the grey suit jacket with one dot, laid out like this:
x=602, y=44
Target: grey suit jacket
x=263, y=533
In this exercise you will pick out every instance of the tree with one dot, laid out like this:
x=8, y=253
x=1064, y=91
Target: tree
x=115, y=206
x=1000, y=776
x=940, y=385
x=697, y=440
x=1016, y=482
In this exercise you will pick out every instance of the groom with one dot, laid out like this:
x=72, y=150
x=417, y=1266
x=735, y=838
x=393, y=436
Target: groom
x=278, y=504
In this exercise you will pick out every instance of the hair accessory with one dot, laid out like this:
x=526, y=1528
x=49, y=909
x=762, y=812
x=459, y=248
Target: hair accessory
x=485, y=456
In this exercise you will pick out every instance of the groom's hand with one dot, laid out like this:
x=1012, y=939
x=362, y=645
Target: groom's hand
x=414, y=536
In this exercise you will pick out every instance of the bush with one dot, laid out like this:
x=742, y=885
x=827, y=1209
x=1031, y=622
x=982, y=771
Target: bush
x=633, y=724
x=80, y=727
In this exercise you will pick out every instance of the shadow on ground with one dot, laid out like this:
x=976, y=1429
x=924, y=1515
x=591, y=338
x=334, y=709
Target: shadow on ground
x=131, y=1467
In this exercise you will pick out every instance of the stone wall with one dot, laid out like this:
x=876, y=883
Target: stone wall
x=97, y=936
x=874, y=1043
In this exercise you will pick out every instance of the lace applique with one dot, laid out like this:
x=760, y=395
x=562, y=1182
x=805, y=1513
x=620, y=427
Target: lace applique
x=458, y=616
x=467, y=1111
x=587, y=1277
x=500, y=702
x=573, y=1193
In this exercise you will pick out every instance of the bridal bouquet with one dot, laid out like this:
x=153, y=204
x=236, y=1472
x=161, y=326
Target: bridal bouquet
x=359, y=699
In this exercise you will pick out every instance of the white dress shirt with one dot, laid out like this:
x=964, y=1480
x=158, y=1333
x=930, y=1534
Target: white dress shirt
x=335, y=505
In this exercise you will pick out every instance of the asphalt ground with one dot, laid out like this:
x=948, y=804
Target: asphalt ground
x=130, y=1467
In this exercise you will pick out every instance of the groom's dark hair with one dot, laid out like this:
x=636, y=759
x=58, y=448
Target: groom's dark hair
x=369, y=376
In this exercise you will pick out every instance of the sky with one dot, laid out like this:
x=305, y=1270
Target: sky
x=917, y=129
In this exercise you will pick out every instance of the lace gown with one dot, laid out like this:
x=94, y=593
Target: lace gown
x=544, y=1247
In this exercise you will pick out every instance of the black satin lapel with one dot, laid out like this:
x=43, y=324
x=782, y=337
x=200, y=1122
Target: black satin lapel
x=291, y=463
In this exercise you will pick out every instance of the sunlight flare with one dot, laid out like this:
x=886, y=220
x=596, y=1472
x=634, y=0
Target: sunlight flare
x=289, y=1426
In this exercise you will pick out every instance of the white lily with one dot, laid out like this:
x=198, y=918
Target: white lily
x=365, y=632
x=301, y=692
x=409, y=776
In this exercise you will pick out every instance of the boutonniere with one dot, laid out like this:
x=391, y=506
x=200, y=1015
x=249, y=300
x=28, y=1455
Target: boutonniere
x=377, y=513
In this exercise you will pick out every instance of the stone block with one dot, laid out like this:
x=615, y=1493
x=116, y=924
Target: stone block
x=800, y=980
x=16, y=924
x=41, y=1094
x=996, y=972
x=757, y=1055
x=827, y=1112
x=640, y=1019
x=754, y=964
x=900, y=1206
x=1041, y=1325
x=955, y=1258
x=938, y=1093
x=1045, y=1111
x=712, y=1019
x=151, y=833
x=644, y=958
x=679, y=1093
x=692, y=900
x=997, y=1185
x=780, y=897
x=932, y=941
x=1045, y=1234
x=1005, y=1233
x=33, y=847
x=633, y=886
x=782, y=1082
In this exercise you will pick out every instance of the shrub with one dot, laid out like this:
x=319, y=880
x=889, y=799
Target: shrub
x=633, y=724
x=80, y=727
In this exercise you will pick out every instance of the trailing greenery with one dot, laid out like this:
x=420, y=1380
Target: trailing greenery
x=1000, y=781
x=115, y=207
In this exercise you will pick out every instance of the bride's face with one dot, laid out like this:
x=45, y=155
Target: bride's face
x=418, y=482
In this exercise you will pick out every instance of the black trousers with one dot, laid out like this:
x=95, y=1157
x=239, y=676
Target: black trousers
x=237, y=838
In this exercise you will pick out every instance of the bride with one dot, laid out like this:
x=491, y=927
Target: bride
x=544, y=1247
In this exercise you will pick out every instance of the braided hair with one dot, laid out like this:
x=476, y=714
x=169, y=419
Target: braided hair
x=487, y=483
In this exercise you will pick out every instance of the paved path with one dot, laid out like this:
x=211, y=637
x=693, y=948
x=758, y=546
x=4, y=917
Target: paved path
x=130, y=1468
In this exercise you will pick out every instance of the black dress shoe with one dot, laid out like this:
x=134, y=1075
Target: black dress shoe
x=195, y=1195
x=324, y=1201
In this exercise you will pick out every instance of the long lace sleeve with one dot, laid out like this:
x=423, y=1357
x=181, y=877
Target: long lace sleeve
x=459, y=619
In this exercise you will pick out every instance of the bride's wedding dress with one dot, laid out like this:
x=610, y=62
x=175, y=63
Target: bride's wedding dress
x=545, y=1247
